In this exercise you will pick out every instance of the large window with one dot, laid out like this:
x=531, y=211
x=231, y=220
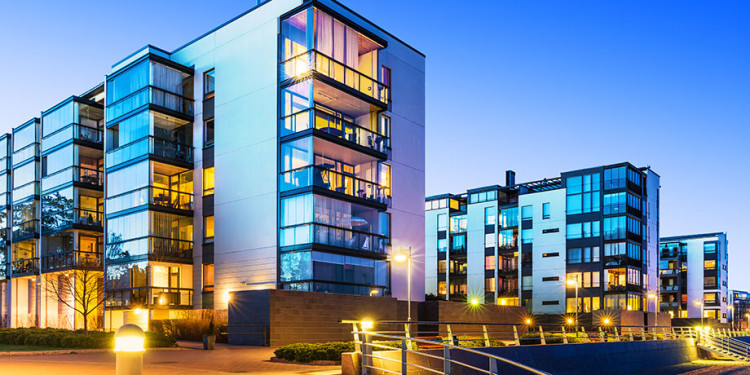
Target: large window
x=583, y=255
x=527, y=235
x=614, y=228
x=583, y=230
x=208, y=277
x=490, y=216
x=509, y=217
x=614, y=178
x=208, y=228
x=545, y=211
x=527, y=212
x=614, y=203
x=442, y=222
x=583, y=193
x=208, y=181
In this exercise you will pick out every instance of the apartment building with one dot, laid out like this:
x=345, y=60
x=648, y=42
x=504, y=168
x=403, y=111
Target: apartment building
x=694, y=275
x=739, y=308
x=283, y=149
x=530, y=244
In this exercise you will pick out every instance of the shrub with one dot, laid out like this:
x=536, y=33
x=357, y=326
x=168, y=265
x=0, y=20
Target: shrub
x=190, y=325
x=305, y=353
x=60, y=338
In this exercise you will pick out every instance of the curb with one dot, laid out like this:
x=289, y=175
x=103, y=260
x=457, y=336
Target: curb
x=74, y=351
x=313, y=363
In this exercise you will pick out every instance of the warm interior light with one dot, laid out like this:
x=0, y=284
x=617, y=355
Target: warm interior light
x=374, y=292
x=138, y=311
x=572, y=282
x=570, y=321
x=400, y=258
x=367, y=324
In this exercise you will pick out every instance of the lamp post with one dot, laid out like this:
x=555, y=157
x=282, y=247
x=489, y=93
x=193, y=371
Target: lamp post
x=731, y=315
x=700, y=303
x=748, y=320
x=402, y=257
x=574, y=282
x=656, y=310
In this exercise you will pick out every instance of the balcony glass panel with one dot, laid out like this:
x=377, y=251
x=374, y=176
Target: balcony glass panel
x=151, y=95
x=26, y=191
x=26, y=229
x=156, y=248
x=77, y=174
x=338, y=182
x=313, y=61
x=153, y=146
x=336, y=126
x=25, y=154
x=24, y=137
x=71, y=260
x=73, y=131
x=25, y=267
x=333, y=236
x=149, y=296
x=59, y=118
x=61, y=219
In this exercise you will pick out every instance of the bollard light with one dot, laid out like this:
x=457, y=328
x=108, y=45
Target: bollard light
x=129, y=346
x=474, y=302
x=367, y=324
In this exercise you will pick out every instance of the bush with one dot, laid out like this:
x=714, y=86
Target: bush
x=191, y=325
x=305, y=353
x=61, y=338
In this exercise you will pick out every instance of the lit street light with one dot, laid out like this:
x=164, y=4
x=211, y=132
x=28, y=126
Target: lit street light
x=656, y=309
x=701, y=303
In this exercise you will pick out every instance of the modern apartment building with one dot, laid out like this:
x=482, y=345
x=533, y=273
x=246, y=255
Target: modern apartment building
x=685, y=292
x=283, y=149
x=520, y=244
x=739, y=308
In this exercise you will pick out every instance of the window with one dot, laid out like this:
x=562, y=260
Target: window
x=527, y=235
x=209, y=84
x=385, y=75
x=458, y=224
x=458, y=242
x=208, y=133
x=575, y=256
x=585, y=279
x=442, y=245
x=583, y=255
x=527, y=283
x=208, y=181
x=550, y=255
x=709, y=247
x=483, y=196
x=614, y=228
x=545, y=303
x=208, y=277
x=527, y=213
x=442, y=222
x=614, y=249
x=634, y=177
x=489, y=262
x=489, y=285
x=490, y=216
x=614, y=203
x=545, y=210
x=709, y=282
x=614, y=178
x=508, y=238
x=490, y=240
x=709, y=298
x=509, y=217
x=709, y=264
x=583, y=230
x=208, y=227
x=553, y=230
x=551, y=278
x=583, y=193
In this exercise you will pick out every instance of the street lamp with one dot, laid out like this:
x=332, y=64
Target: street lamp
x=574, y=282
x=748, y=320
x=402, y=257
x=731, y=315
x=700, y=303
x=656, y=309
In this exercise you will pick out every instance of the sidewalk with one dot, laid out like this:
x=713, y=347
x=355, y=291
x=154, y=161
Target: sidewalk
x=192, y=360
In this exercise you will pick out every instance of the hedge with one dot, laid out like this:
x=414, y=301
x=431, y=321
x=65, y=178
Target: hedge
x=61, y=338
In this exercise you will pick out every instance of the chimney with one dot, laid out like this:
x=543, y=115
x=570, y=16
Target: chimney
x=510, y=178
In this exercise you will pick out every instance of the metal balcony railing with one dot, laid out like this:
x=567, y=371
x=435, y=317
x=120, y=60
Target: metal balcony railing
x=25, y=267
x=333, y=236
x=171, y=198
x=314, y=61
x=150, y=297
x=150, y=145
x=71, y=260
x=334, y=181
x=335, y=126
x=28, y=228
x=57, y=220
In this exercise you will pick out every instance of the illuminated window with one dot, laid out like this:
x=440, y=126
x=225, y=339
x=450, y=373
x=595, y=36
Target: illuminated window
x=208, y=277
x=709, y=264
x=208, y=227
x=208, y=181
x=489, y=262
x=489, y=284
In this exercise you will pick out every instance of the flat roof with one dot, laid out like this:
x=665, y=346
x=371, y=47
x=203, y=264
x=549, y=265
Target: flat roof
x=690, y=237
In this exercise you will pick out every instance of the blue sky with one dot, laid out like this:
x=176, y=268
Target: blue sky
x=539, y=87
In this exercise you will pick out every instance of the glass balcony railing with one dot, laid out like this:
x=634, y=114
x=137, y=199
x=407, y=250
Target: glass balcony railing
x=150, y=297
x=315, y=61
x=333, y=236
x=324, y=122
x=334, y=181
x=25, y=267
x=152, y=248
x=669, y=272
x=150, y=95
x=150, y=145
x=52, y=221
x=171, y=248
x=72, y=131
x=71, y=260
x=670, y=288
x=25, y=191
x=25, y=153
x=26, y=229
x=83, y=175
x=171, y=198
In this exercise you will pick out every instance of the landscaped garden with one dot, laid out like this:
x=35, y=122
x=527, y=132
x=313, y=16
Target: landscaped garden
x=33, y=339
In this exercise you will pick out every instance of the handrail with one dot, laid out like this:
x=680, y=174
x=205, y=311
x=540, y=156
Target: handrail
x=314, y=175
x=336, y=236
x=313, y=118
x=367, y=354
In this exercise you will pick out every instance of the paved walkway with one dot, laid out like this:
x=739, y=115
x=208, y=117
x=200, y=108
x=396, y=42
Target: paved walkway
x=225, y=360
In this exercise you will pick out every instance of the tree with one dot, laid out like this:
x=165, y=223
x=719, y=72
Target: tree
x=85, y=288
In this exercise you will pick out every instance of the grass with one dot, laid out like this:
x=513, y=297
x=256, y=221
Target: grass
x=25, y=348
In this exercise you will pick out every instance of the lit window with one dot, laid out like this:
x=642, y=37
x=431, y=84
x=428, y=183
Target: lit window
x=208, y=181
x=208, y=227
x=208, y=277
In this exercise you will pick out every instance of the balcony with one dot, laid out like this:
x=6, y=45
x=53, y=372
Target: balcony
x=315, y=62
x=171, y=248
x=150, y=145
x=25, y=267
x=85, y=176
x=335, y=126
x=73, y=131
x=334, y=181
x=670, y=272
x=669, y=288
x=25, y=154
x=150, y=95
x=670, y=305
x=152, y=248
x=669, y=254
x=25, y=191
x=72, y=260
x=150, y=297
x=333, y=236
x=171, y=198
x=54, y=221
x=25, y=230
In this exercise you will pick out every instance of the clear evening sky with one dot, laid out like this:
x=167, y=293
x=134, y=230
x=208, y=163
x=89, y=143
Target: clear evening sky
x=539, y=87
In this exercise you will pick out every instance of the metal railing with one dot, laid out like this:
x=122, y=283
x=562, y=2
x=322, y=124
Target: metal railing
x=171, y=198
x=25, y=267
x=312, y=60
x=333, y=236
x=150, y=296
x=334, y=181
x=335, y=126
x=150, y=145
x=25, y=229
x=71, y=259
x=52, y=221
x=722, y=341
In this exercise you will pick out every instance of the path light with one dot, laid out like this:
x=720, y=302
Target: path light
x=527, y=321
x=474, y=302
x=367, y=324
x=605, y=321
x=570, y=320
x=503, y=302
x=129, y=347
